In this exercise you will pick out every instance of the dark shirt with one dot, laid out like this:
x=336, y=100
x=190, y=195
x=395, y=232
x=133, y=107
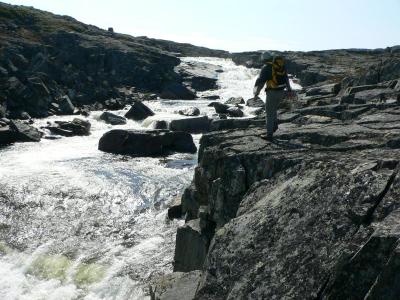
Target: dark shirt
x=266, y=74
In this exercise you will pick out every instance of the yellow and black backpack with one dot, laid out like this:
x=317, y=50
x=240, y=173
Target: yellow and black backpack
x=278, y=74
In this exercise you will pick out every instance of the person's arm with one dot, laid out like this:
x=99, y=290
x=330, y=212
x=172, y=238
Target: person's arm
x=288, y=87
x=260, y=82
x=290, y=94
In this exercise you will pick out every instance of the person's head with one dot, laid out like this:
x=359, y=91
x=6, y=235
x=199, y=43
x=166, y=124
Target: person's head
x=279, y=60
x=267, y=57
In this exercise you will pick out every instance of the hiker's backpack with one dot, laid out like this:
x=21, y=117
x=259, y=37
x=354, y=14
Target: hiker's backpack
x=277, y=76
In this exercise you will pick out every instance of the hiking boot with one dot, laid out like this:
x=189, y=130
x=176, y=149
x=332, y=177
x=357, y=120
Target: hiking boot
x=267, y=137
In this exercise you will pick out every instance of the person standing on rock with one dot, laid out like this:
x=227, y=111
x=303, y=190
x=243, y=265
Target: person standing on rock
x=274, y=76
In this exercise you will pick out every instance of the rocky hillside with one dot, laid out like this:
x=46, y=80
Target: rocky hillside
x=367, y=66
x=44, y=57
x=312, y=215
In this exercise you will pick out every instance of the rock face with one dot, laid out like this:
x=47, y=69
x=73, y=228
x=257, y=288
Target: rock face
x=112, y=119
x=366, y=66
x=198, y=76
x=313, y=214
x=46, y=58
x=139, y=111
x=146, y=143
x=177, y=91
x=174, y=286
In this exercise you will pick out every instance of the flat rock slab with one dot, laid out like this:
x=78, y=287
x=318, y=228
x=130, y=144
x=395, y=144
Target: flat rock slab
x=146, y=143
x=191, y=124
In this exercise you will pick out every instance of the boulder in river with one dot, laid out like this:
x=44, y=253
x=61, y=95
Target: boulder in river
x=220, y=108
x=235, y=101
x=112, y=119
x=160, y=124
x=191, y=125
x=139, y=112
x=70, y=128
x=150, y=143
x=235, y=112
x=190, y=112
x=18, y=131
x=255, y=102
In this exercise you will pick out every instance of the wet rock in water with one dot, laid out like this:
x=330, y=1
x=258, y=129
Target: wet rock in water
x=18, y=131
x=191, y=125
x=175, y=212
x=191, y=247
x=5, y=121
x=65, y=106
x=2, y=111
x=255, y=102
x=178, y=285
x=139, y=112
x=220, y=108
x=235, y=101
x=160, y=124
x=177, y=91
x=212, y=97
x=114, y=104
x=235, y=112
x=76, y=127
x=25, y=116
x=84, y=111
x=146, y=143
x=112, y=119
x=190, y=112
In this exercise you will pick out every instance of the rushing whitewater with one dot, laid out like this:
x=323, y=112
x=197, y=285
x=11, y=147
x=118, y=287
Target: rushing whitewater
x=76, y=223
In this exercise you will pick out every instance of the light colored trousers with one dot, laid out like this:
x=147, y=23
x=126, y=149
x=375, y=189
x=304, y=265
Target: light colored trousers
x=271, y=108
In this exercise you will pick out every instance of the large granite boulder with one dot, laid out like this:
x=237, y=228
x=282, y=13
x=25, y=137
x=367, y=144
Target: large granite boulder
x=146, y=143
x=139, y=111
x=191, y=124
x=112, y=119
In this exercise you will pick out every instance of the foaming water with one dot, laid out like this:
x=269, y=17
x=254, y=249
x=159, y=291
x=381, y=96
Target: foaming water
x=77, y=223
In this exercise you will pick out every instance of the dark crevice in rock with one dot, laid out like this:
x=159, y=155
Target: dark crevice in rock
x=370, y=213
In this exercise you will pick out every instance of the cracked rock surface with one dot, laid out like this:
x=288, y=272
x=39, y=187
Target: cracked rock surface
x=314, y=214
